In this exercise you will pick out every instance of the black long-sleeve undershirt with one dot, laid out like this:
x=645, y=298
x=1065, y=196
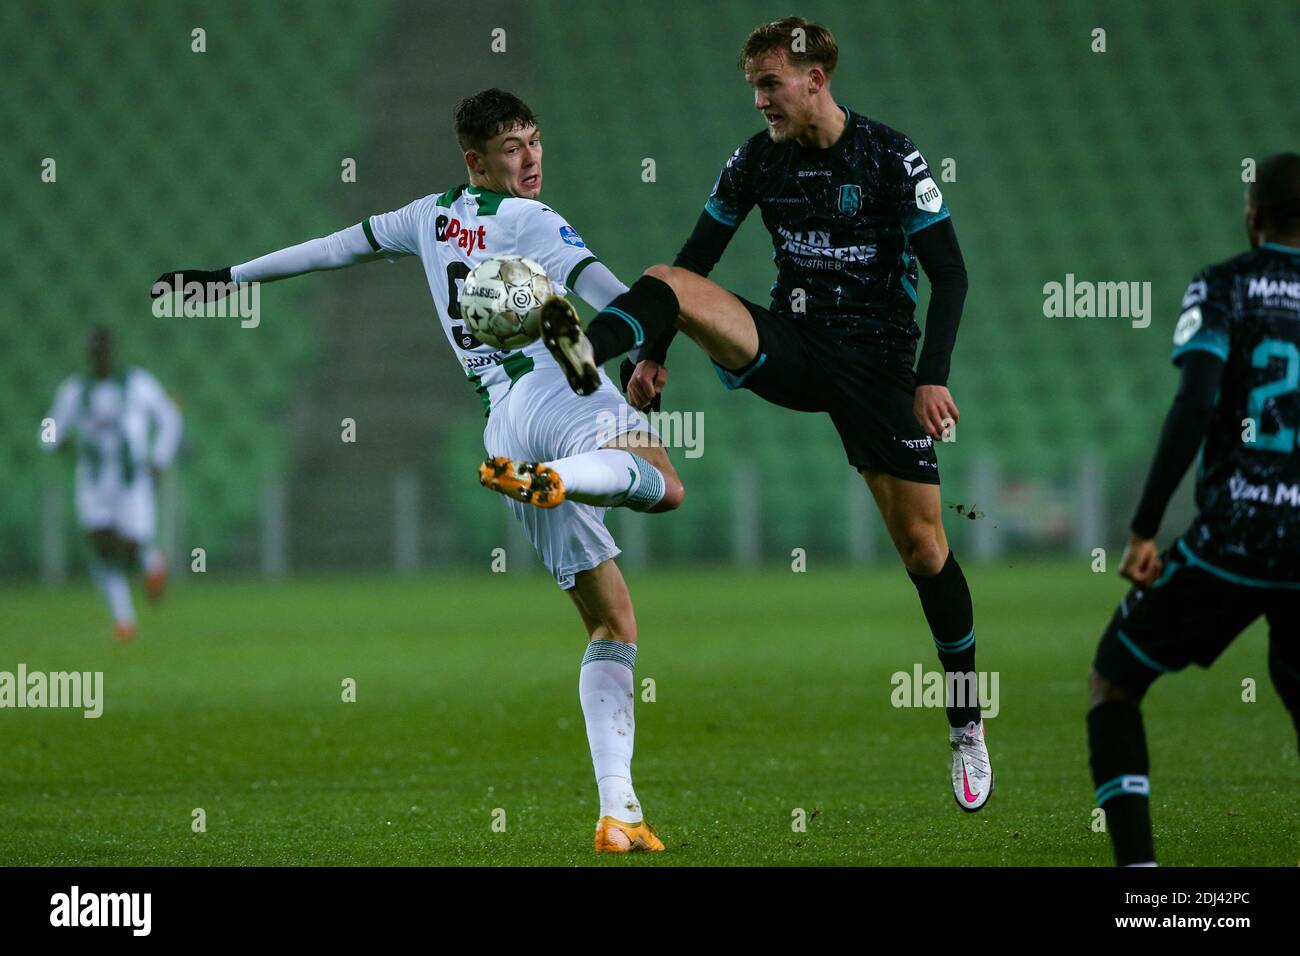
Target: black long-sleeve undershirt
x=1181, y=436
x=937, y=250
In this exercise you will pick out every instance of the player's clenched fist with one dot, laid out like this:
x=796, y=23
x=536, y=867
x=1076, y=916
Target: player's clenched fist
x=1141, y=562
x=935, y=410
x=644, y=383
x=198, y=285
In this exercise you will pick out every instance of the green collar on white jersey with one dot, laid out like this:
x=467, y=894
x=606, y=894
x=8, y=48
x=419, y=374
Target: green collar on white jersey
x=488, y=201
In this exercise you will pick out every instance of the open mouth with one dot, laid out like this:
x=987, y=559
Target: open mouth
x=531, y=182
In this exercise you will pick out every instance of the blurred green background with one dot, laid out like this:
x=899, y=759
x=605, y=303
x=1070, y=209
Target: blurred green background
x=1117, y=166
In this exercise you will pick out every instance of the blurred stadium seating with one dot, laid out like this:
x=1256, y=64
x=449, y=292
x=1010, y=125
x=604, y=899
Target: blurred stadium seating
x=1115, y=166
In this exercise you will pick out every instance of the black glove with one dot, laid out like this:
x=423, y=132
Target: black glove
x=625, y=370
x=215, y=284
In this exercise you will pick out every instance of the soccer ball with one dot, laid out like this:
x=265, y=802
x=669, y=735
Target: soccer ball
x=501, y=301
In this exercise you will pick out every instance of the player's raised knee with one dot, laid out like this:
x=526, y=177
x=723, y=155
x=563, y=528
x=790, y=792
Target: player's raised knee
x=662, y=272
x=674, y=494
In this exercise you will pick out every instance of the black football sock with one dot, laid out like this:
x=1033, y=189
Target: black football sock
x=641, y=314
x=945, y=599
x=1118, y=747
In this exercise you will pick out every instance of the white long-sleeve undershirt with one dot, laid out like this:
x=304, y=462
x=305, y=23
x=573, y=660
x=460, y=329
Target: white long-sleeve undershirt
x=335, y=251
x=596, y=285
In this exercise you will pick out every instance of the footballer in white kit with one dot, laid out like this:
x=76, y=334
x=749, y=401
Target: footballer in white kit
x=126, y=432
x=566, y=454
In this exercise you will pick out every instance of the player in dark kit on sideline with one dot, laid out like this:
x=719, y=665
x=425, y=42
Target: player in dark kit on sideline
x=1238, y=346
x=851, y=206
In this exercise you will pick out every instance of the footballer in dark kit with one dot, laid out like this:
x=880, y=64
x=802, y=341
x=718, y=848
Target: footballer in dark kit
x=1237, y=344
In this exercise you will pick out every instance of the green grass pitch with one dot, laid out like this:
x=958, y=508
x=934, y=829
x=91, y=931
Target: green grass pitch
x=772, y=693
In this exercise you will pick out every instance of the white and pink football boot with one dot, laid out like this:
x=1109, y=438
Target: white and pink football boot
x=972, y=774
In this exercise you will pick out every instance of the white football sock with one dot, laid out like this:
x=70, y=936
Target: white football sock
x=117, y=593
x=99, y=575
x=151, y=559
x=610, y=478
x=605, y=689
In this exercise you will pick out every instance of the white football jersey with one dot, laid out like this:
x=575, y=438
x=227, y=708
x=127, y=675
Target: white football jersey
x=123, y=425
x=454, y=231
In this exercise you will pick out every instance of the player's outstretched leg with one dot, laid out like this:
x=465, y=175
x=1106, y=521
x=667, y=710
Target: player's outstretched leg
x=912, y=514
x=607, y=692
x=606, y=478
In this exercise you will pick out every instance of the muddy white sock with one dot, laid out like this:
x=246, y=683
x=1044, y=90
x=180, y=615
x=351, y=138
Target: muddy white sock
x=606, y=691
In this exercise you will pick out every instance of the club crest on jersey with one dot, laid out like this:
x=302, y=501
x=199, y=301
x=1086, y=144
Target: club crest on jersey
x=571, y=237
x=449, y=229
x=465, y=338
x=850, y=199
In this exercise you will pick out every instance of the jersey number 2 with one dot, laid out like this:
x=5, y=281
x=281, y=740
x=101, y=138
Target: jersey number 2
x=1283, y=439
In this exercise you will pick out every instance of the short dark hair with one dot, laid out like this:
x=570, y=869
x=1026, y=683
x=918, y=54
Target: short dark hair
x=814, y=46
x=1276, y=193
x=487, y=114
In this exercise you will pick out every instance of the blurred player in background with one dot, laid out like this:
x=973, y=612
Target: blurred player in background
x=547, y=447
x=852, y=206
x=126, y=432
x=1237, y=344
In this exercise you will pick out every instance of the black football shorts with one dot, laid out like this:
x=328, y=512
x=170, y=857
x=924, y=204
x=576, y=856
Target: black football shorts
x=870, y=403
x=1190, y=615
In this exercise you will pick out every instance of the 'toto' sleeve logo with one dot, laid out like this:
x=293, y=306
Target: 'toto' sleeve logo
x=928, y=197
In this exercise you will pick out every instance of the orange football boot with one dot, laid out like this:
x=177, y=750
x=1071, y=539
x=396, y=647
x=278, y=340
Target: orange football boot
x=615, y=836
x=155, y=582
x=530, y=482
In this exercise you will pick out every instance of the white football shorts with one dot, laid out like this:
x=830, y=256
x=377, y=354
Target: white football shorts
x=127, y=509
x=542, y=419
